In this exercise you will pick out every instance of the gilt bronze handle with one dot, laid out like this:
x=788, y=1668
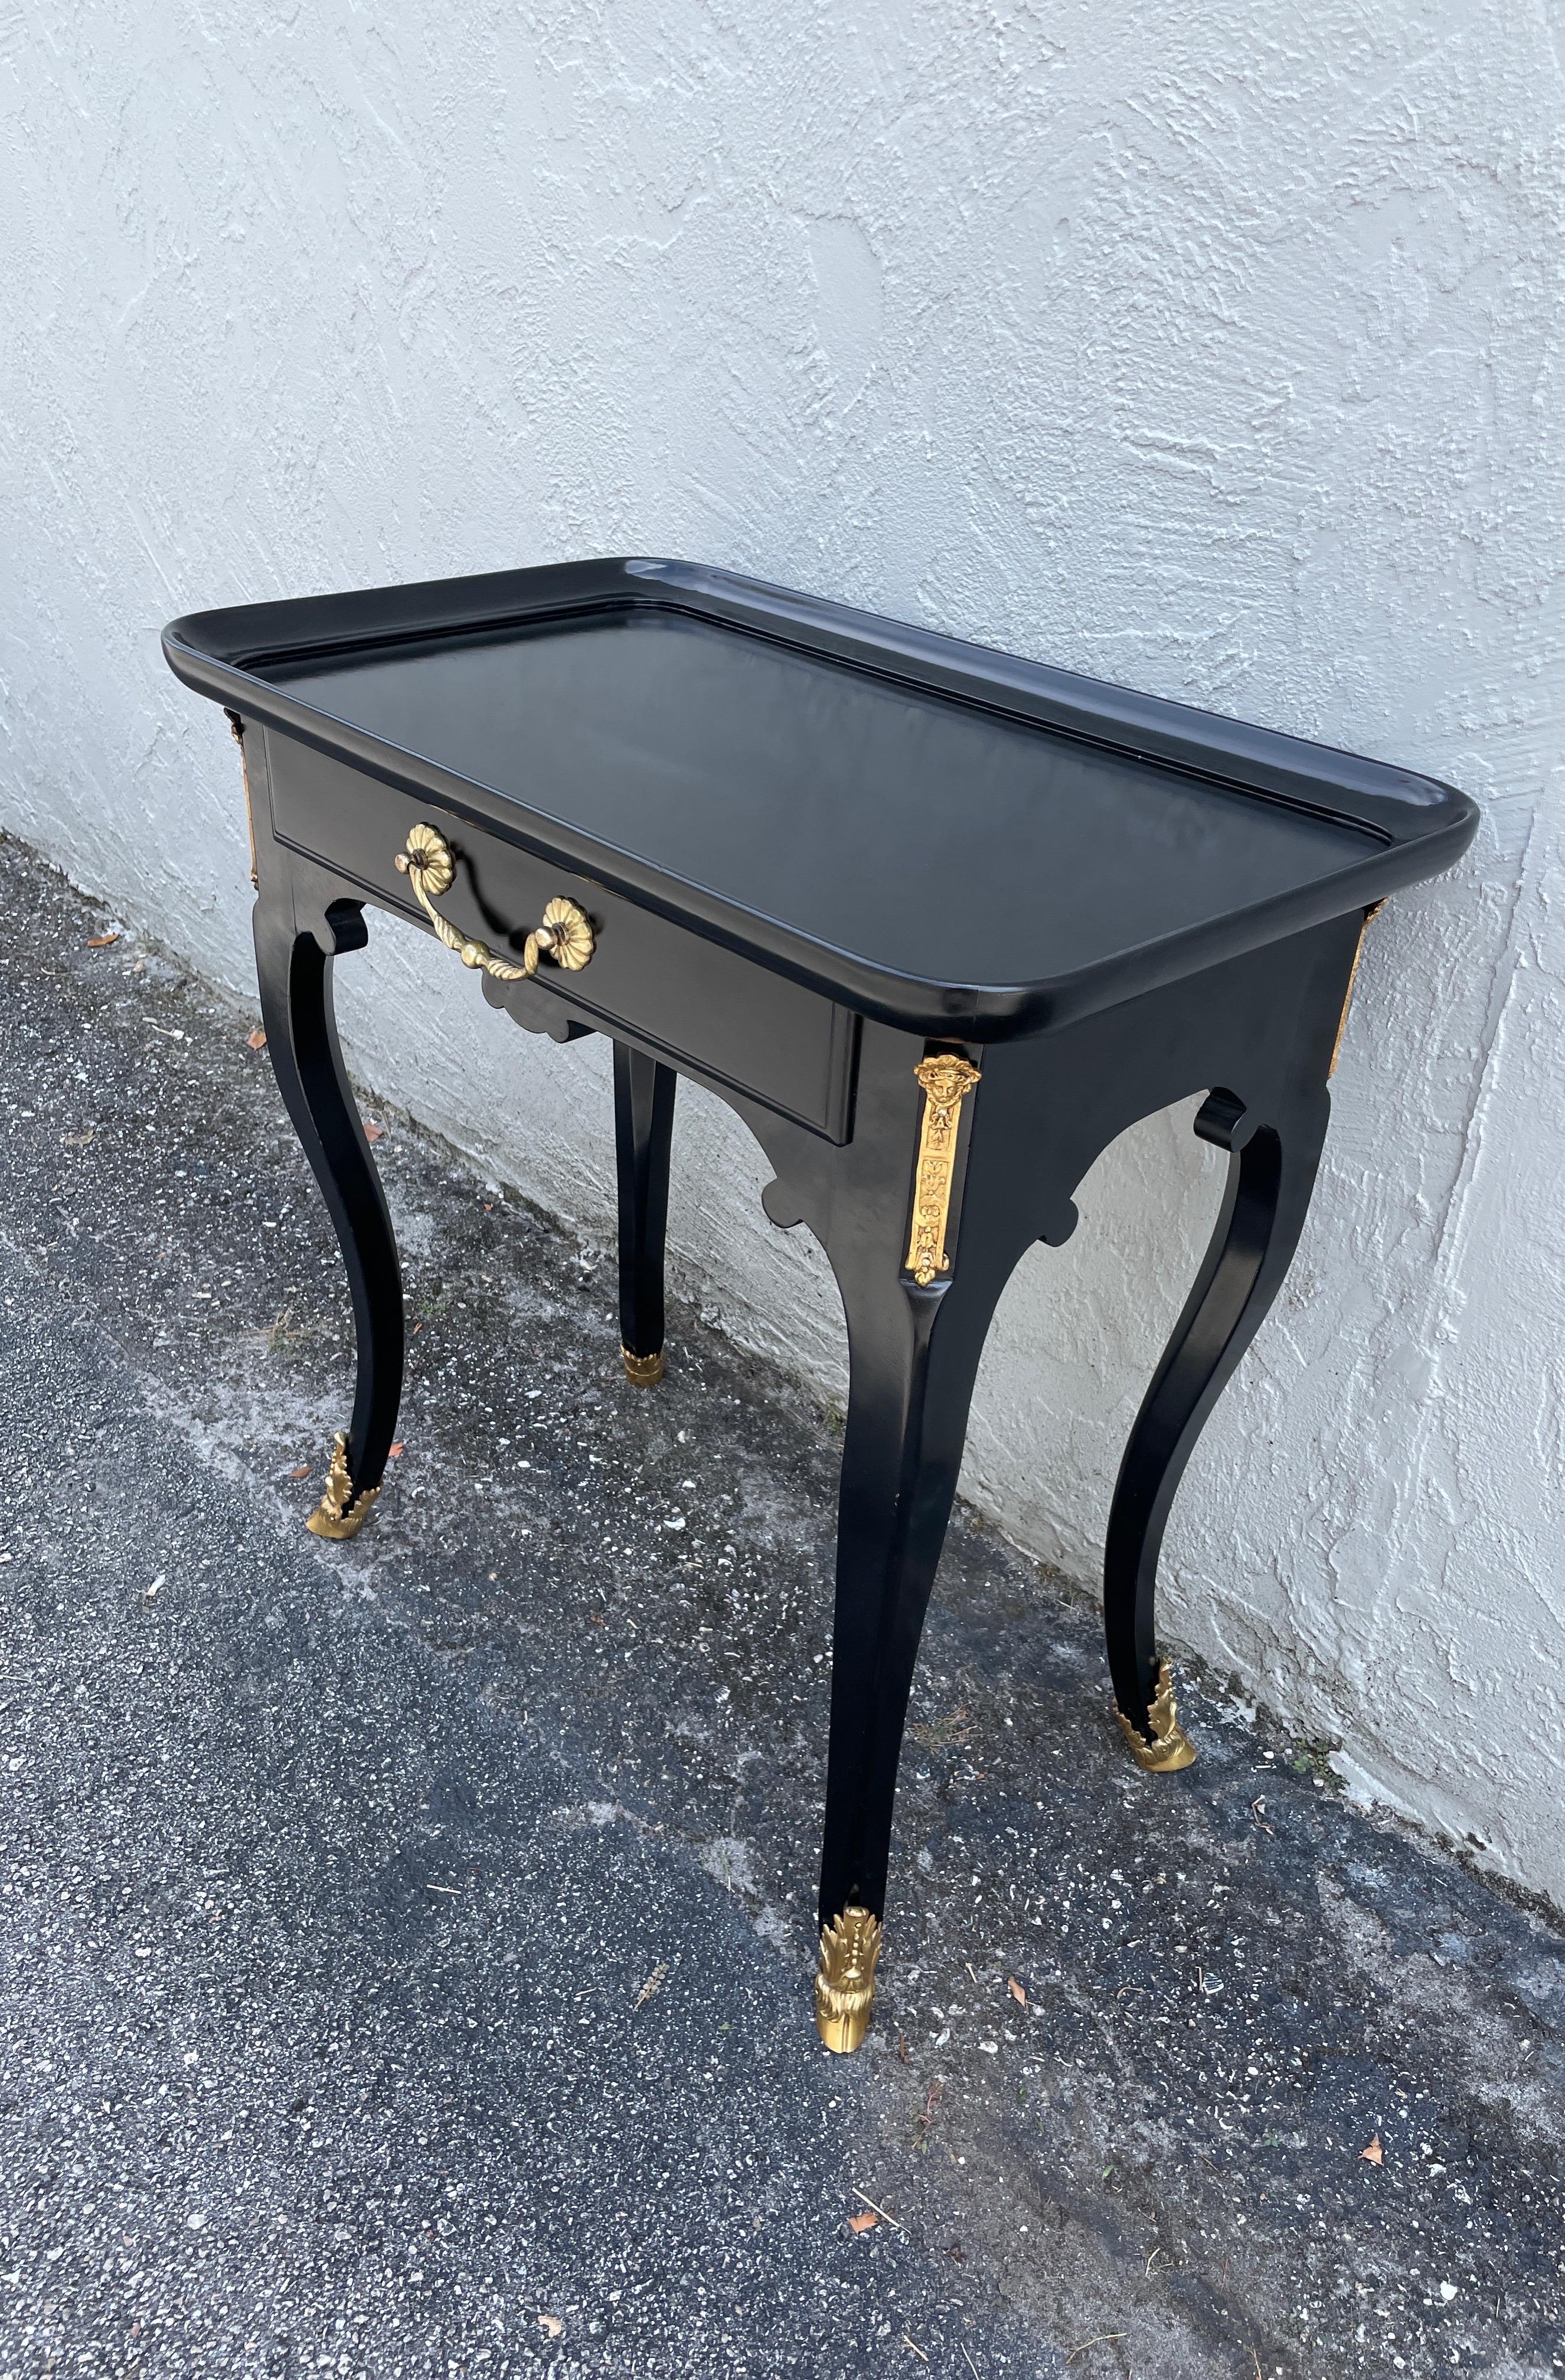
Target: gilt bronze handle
x=565, y=934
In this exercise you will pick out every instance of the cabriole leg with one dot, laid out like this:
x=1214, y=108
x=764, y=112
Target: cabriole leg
x=904, y=1446
x=917, y=1321
x=914, y=1359
x=643, y=1129
x=1272, y=1172
x=301, y=1040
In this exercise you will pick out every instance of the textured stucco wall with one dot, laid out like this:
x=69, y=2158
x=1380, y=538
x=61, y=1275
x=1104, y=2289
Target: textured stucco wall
x=1210, y=347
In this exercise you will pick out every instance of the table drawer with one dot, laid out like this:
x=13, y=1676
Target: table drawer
x=725, y=1015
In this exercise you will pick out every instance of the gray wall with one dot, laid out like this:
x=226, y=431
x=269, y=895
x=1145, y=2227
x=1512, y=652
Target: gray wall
x=1212, y=348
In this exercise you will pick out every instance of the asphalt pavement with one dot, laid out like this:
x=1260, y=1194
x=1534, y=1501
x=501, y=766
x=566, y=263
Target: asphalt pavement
x=405, y=1945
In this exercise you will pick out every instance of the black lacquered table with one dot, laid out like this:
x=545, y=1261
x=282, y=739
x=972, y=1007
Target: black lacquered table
x=939, y=924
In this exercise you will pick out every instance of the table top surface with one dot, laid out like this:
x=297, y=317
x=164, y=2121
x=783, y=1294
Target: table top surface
x=871, y=806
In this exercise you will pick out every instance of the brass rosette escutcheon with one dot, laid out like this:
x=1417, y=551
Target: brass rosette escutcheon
x=1168, y=1747
x=340, y=1513
x=844, y=1981
x=564, y=934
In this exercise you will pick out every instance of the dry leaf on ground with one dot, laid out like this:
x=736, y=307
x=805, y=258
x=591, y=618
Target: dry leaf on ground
x=550, y=2324
x=1374, y=2154
x=256, y=1040
x=1017, y=1990
x=864, y=2222
x=101, y=942
x=397, y=1448
x=373, y=1131
x=300, y=1471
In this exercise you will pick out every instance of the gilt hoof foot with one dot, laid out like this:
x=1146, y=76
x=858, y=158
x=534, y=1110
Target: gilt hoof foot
x=1166, y=1747
x=341, y=1514
x=844, y=1981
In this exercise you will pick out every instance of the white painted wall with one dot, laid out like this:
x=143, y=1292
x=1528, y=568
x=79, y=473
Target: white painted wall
x=1208, y=345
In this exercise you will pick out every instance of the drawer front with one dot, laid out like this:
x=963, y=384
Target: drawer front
x=727, y=1016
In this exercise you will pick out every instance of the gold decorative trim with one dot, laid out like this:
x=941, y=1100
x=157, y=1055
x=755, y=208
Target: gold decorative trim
x=237, y=729
x=1373, y=911
x=945, y=1080
x=340, y=1513
x=646, y=1371
x=1170, y=1748
x=844, y=1981
x=565, y=934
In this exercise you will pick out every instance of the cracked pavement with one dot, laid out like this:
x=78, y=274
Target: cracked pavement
x=405, y=1946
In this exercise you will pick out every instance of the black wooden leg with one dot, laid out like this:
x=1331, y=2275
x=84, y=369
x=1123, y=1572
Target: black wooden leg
x=301, y=1040
x=919, y=1175
x=916, y=1317
x=643, y=1126
x=1272, y=1172
x=914, y=1357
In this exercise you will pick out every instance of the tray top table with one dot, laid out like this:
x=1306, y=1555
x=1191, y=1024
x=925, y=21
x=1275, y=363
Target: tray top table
x=938, y=924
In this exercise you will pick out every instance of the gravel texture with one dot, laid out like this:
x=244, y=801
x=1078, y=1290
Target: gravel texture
x=405, y=1946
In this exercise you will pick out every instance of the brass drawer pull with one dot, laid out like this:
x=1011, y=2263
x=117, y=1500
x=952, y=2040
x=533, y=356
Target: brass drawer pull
x=566, y=935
